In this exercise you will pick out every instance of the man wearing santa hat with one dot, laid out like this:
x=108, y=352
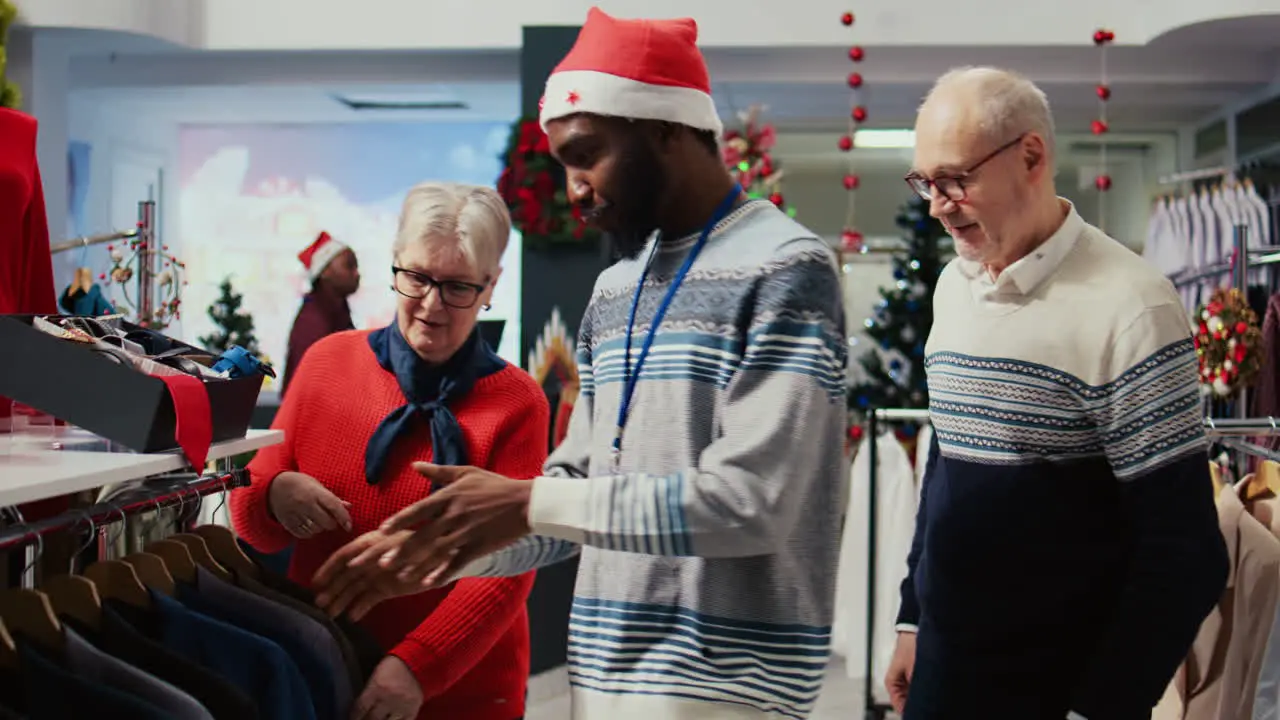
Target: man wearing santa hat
x=702, y=473
x=335, y=276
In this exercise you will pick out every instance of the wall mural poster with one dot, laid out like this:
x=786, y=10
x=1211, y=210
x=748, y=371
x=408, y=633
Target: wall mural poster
x=252, y=196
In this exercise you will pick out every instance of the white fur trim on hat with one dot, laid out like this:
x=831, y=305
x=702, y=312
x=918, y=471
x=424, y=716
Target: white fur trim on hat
x=598, y=93
x=324, y=255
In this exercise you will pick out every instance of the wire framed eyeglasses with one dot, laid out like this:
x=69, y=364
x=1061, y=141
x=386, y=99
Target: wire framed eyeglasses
x=453, y=293
x=952, y=187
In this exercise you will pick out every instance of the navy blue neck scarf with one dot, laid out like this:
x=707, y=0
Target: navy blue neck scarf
x=428, y=390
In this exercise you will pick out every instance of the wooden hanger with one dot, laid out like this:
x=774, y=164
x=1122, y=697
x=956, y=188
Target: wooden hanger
x=29, y=613
x=1265, y=479
x=177, y=558
x=8, y=649
x=117, y=580
x=75, y=597
x=200, y=554
x=222, y=544
x=152, y=571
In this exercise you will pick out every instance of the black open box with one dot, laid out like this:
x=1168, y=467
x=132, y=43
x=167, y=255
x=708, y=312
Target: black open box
x=66, y=380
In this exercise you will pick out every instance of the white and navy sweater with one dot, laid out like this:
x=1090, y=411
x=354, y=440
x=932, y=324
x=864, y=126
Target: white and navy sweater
x=1066, y=537
x=708, y=564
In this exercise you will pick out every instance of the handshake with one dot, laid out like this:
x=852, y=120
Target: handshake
x=427, y=544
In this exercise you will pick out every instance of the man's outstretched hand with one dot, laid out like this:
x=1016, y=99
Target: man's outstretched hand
x=341, y=587
x=427, y=543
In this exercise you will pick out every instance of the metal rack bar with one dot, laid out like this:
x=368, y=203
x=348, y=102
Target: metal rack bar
x=1226, y=427
x=89, y=240
x=153, y=494
x=1195, y=175
x=1249, y=448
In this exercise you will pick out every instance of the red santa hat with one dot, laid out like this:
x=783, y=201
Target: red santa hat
x=640, y=69
x=319, y=254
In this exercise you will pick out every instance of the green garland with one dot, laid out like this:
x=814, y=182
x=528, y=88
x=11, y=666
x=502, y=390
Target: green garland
x=10, y=95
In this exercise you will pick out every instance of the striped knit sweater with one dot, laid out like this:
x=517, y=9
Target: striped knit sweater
x=1067, y=547
x=708, y=566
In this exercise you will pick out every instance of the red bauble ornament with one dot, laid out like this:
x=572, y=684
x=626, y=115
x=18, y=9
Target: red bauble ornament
x=1102, y=182
x=851, y=240
x=856, y=53
x=1099, y=127
x=859, y=114
x=776, y=199
x=855, y=433
x=1103, y=92
x=846, y=19
x=846, y=143
x=855, y=80
x=851, y=182
x=1241, y=328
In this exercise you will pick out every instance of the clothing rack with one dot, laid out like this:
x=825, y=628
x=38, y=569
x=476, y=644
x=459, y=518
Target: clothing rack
x=148, y=251
x=147, y=496
x=1228, y=429
x=871, y=709
x=1190, y=175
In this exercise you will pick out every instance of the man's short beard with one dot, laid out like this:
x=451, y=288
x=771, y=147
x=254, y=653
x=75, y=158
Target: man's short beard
x=642, y=182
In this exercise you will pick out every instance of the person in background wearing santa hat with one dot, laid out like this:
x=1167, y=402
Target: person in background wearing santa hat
x=335, y=276
x=703, y=470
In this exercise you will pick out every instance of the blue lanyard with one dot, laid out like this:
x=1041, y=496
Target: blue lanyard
x=629, y=380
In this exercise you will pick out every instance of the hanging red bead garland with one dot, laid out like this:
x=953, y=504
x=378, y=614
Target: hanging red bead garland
x=1102, y=38
x=851, y=240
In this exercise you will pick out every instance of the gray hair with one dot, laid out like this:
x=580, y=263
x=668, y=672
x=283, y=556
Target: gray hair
x=472, y=217
x=1009, y=103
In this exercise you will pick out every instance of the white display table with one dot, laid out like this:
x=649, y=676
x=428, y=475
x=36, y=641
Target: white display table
x=29, y=472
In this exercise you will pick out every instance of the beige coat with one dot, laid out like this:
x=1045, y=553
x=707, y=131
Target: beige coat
x=1219, y=677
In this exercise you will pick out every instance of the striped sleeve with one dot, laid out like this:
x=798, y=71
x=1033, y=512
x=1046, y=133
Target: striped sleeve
x=1149, y=415
x=781, y=437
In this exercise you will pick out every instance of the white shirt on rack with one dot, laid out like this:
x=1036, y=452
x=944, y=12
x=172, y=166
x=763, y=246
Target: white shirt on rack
x=895, y=526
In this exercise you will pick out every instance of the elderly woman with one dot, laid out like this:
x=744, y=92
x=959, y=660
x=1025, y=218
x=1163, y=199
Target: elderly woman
x=362, y=408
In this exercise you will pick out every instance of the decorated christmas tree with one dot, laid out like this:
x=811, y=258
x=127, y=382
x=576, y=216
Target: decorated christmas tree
x=900, y=322
x=234, y=327
x=748, y=153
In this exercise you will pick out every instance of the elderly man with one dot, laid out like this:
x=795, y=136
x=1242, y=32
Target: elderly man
x=709, y=528
x=1067, y=547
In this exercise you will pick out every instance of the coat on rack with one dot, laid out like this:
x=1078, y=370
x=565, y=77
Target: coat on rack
x=1219, y=677
x=895, y=523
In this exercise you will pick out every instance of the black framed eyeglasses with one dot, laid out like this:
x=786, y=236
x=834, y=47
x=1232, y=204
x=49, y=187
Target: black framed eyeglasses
x=952, y=186
x=454, y=293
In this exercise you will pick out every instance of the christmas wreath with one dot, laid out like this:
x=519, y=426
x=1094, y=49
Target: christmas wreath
x=531, y=183
x=1228, y=343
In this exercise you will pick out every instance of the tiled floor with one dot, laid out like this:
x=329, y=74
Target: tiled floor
x=841, y=697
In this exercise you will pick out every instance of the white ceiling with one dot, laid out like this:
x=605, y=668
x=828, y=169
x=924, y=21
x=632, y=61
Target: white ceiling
x=1180, y=78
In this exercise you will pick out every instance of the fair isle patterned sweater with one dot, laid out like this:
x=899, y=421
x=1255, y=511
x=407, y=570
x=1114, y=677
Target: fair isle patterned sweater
x=1067, y=546
x=708, y=564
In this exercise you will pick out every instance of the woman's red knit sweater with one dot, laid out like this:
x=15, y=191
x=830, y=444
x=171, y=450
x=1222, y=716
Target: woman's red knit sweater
x=468, y=644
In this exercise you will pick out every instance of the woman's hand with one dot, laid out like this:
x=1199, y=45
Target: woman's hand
x=393, y=693
x=304, y=507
